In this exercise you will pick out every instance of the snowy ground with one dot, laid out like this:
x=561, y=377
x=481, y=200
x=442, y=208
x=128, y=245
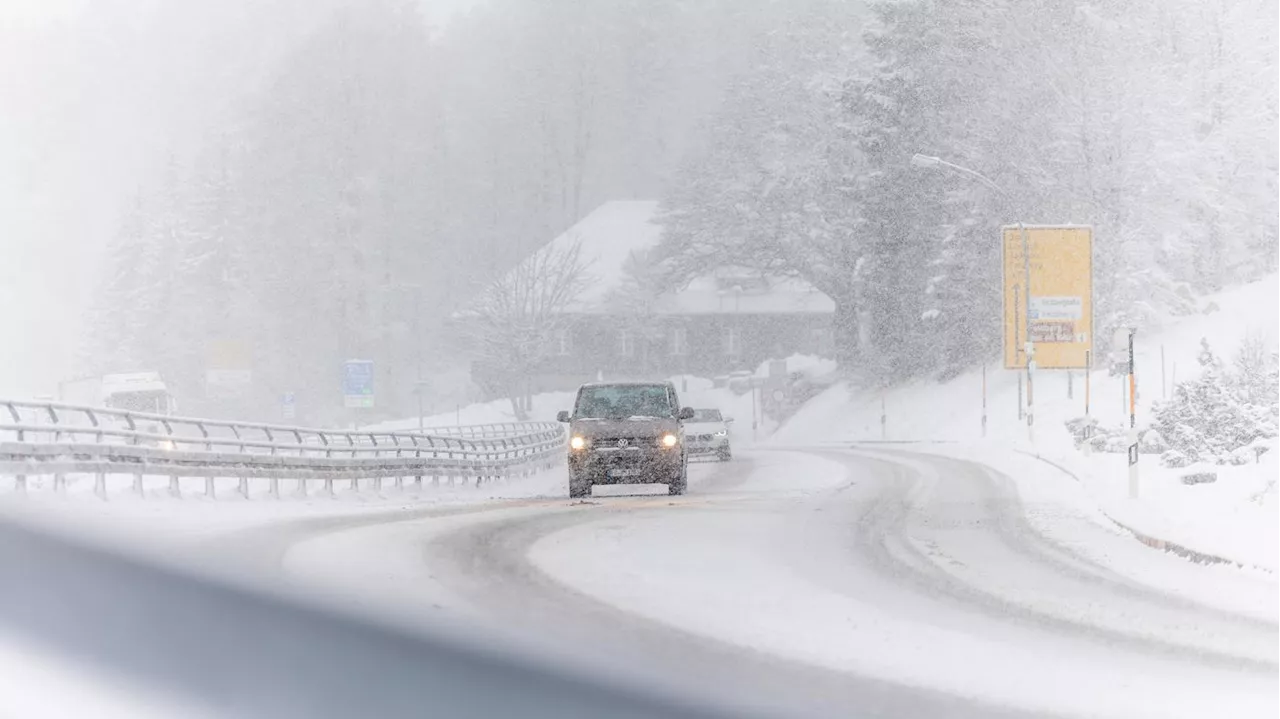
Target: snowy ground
x=797, y=594
x=195, y=519
x=54, y=688
x=825, y=580
x=1235, y=518
x=817, y=573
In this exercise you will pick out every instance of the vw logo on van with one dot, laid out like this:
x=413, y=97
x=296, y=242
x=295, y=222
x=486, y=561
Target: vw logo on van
x=622, y=442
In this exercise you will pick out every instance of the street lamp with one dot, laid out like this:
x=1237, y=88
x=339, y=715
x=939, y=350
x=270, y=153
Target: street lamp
x=929, y=161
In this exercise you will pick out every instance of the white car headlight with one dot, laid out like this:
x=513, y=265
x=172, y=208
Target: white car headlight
x=577, y=442
x=722, y=433
x=670, y=440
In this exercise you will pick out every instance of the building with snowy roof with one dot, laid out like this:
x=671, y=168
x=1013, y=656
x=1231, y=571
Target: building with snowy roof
x=613, y=325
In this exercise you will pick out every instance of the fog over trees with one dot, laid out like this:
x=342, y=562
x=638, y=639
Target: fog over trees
x=386, y=169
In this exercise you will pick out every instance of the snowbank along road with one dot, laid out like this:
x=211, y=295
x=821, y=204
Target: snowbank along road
x=854, y=582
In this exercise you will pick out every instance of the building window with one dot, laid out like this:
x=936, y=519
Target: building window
x=562, y=343
x=743, y=284
x=626, y=343
x=732, y=345
x=679, y=341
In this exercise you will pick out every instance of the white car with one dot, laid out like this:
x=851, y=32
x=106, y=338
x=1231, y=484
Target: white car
x=707, y=433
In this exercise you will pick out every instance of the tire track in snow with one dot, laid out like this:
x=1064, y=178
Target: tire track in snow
x=943, y=529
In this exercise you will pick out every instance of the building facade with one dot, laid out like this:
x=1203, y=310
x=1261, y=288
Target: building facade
x=732, y=319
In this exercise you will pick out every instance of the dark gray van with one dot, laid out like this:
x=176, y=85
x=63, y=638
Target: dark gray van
x=626, y=433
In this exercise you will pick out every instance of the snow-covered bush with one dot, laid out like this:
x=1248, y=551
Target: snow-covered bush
x=1152, y=442
x=1082, y=428
x=1256, y=372
x=1217, y=413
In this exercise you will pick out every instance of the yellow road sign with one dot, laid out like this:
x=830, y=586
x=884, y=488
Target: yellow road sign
x=1059, y=315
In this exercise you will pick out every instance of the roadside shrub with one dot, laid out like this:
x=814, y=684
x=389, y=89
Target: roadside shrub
x=1222, y=410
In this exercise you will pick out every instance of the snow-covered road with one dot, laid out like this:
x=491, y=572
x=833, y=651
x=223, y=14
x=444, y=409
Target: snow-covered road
x=858, y=582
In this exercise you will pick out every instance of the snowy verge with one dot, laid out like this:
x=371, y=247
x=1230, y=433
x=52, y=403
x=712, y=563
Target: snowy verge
x=1058, y=507
x=1234, y=518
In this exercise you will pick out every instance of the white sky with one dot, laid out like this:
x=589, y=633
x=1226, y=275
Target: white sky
x=93, y=95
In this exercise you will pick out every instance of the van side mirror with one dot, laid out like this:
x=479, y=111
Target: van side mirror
x=562, y=416
x=685, y=413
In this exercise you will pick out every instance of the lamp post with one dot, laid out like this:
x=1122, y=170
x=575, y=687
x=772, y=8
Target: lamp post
x=929, y=161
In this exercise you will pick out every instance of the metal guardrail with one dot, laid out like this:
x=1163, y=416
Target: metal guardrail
x=495, y=429
x=225, y=648
x=46, y=438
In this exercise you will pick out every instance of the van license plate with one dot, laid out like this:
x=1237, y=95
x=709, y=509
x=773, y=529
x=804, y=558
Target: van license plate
x=631, y=472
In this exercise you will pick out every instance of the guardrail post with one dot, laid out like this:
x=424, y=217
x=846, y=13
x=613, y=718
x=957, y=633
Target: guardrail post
x=137, y=485
x=208, y=488
x=452, y=470
x=275, y=488
x=174, y=490
x=100, y=485
x=399, y=454
x=244, y=486
x=435, y=465
x=19, y=481
x=328, y=452
x=60, y=483
x=417, y=465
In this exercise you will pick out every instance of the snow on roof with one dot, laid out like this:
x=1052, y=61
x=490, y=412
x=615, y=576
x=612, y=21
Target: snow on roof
x=607, y=237
x=132, y=382
x=711, y=295
x=616, y=230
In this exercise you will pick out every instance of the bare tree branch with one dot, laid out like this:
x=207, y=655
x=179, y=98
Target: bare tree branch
x=512, y=326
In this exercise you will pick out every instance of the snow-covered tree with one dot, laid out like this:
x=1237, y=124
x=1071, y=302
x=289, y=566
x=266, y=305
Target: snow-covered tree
x=1255, y=371
x=1217, y=413
x=512, y=326
x=772, y=186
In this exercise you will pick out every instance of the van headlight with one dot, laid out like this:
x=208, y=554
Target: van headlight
x=669, y=440
x=722, y=433
x=577, y=441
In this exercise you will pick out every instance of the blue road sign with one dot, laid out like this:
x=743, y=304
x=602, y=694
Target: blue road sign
x=357, y=383
x=288, y=405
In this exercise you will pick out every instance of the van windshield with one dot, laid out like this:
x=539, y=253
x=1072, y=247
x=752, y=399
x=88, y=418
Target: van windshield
x=623, y=401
